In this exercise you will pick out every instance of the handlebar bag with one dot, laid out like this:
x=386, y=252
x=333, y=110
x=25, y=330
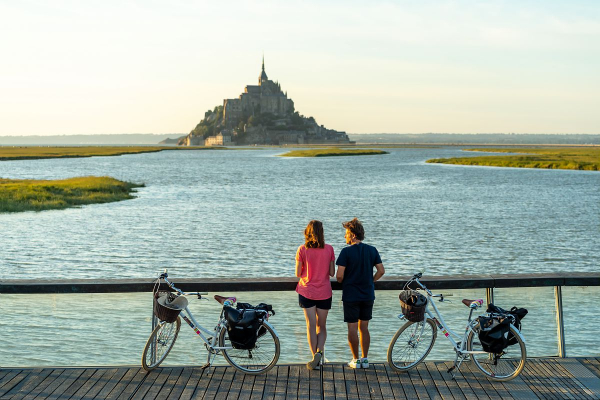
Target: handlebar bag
x=242, y=327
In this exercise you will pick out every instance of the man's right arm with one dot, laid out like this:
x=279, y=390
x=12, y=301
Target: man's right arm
x=379, y=273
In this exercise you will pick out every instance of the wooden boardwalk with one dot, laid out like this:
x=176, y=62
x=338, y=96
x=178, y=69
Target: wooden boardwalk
x=550, y=378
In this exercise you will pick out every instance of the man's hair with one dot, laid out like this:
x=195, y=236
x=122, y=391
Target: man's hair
x=313, y=235
x=356, y=228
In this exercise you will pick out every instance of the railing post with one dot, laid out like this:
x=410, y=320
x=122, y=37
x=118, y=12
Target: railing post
x=560, y=326
x=489, y=295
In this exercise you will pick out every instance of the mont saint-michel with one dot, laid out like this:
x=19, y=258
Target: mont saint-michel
x=263, y=114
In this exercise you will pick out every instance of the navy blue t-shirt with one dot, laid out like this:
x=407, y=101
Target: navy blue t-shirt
x=359, y=260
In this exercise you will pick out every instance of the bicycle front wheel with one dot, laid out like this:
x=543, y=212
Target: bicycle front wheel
x=160, y=343
x=258, y=360
x=499, y=367
x=411, y=344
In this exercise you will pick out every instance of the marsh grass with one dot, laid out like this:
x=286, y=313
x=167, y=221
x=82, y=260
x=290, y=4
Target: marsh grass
x=39, y=152
x=38, y=195
x=332, y=152
x=580, y=158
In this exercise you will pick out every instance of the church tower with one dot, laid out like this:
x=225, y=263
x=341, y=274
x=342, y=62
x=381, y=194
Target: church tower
x=263, y=75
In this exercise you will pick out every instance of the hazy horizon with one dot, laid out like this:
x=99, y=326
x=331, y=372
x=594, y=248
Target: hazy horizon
x=398, y=67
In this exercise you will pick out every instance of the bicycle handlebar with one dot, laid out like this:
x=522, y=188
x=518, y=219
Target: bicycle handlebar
x=164, y=276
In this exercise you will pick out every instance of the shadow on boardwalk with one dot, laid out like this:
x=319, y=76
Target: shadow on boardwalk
x=549, y=378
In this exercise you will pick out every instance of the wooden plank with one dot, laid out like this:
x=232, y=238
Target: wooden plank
x=592, y=364
x=196, y=376
x=489, y=384
x=483, y=384
x=563, y=379
x=282, y=382
x=395, y=383
x=292, y=389
x=247, y=386
x=19, y=380
x=107, y=374
x=236, y=384
x=147, y=383
x=162, y=386
x=79, y=382
x=438, y=381
x=531, y=375
x=519, y=387
x=361, y=384
x=583, y=375
x=383, y=380
x=328, y=382
x=11, y=379
x=417, y=384
x=373, y=383
x=270, y=384
x=68, y=378
x=316, y=389
x=215, y=381
x=202, y=384
x=338, y=380
x=129, y=384
x=39, y=389
x=350, y=379
x=30, y=383
x=452, y=385
x=112, y=383
x=463, y=386
x=303, y=383
x=429, y=383
x=226, y=382
x=259, y=387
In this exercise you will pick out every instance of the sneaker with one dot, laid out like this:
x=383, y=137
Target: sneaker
x=356, y=364
x=315, y=362
x=364, y=362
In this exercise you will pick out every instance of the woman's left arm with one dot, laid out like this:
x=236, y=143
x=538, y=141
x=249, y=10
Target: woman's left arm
x=331, y=268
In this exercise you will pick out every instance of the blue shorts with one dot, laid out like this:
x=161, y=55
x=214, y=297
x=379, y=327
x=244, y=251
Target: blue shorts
x=358, y=310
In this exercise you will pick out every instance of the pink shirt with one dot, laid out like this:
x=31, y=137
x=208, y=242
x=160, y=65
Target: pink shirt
x=314, y=281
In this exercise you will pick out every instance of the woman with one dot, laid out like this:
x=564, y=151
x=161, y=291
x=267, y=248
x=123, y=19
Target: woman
x=314, y=266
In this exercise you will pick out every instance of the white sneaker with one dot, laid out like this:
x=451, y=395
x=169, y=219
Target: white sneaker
x=356, y=364
x=364, y=362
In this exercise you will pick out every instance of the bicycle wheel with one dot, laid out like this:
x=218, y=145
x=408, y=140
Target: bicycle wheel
x=260, y=359
x=411, y=344
x=499, y=367
x=160, y=343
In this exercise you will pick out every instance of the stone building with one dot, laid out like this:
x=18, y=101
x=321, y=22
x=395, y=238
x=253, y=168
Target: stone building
x=220, y=139
x=266, y=97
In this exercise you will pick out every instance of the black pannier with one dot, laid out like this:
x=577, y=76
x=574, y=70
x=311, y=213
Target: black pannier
x=244, y=324
x=493, y=333
x=517, y=313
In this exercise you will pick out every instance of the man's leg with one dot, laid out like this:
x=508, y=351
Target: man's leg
x=353, y=338
x=311, y=328
x=365, y=338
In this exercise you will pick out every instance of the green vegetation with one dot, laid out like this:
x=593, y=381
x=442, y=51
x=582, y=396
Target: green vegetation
x=206, y=127
x=580, y=158
x=332, y=152
x=39, y=152
x=37, y=195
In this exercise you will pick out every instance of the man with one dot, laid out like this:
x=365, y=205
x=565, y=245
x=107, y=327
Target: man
x=355, y=273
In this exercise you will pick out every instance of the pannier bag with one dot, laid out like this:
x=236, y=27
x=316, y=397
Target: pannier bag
x=244, y=324
x=493, y=333
x=517, y=314
x=413, y=305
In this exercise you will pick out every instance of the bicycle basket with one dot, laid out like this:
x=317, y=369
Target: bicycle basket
x=413, y=305
x=167, y=305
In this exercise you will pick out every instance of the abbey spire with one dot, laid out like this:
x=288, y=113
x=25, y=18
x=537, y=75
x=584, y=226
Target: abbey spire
x=263, y=75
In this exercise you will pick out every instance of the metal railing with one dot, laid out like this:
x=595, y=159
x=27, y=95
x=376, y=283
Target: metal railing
x=487, y=282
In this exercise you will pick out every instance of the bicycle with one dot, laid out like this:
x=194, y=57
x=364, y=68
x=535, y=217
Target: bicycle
x=414, y=340
x=256, y=360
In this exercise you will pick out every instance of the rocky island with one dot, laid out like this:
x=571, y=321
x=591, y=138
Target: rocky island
x=262, y=115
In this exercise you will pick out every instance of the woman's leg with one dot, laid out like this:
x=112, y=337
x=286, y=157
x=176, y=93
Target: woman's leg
x=311, y=328
x=321, y=328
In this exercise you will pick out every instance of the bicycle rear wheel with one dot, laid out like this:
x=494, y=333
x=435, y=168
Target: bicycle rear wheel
x=499, y=367
x=258, y=360
x=160, y=343
x=411, y=344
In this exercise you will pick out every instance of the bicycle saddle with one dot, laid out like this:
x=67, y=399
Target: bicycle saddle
x=473, y=303
x=222, y=299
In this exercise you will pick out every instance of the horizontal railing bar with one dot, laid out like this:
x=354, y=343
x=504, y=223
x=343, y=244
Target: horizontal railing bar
x=33, y=286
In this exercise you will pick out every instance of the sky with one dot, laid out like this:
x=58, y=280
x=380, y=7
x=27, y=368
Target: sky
x=102, y=67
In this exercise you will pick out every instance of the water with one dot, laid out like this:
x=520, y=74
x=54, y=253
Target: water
x=241, y=213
